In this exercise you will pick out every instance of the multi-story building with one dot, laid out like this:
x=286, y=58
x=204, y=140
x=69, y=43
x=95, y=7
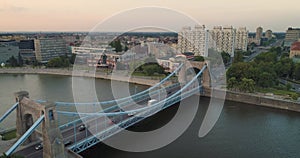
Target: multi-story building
x=241, y=39
x=295, y=50
x=27, y=51
x=92, y=56
x=224, y=39
x=184, y=40
x=268, y=34
x=291, y=35
x=49, y=48
x=259, y=33
x=193, y=40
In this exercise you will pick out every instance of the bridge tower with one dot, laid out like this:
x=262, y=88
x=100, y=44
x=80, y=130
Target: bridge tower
x=205, y=78
x=28, y=112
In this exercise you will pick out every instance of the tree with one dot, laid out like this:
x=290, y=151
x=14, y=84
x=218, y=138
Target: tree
x=150, y=69
x=266, y=80
x=296, y=72
x=117, y=45
x=266, y=57
x=247, y=85
x=12, y=61
x=284, y=67
x=276, y=50
x=238, y=57
x=226, y=57
x=198, y=58
x=232, y=83
x=288, y=86
x=239, y=71
x=59, y=62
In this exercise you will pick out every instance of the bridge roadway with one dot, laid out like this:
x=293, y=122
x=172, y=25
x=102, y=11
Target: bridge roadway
x=93, y=125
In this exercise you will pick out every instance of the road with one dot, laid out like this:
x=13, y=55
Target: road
x=258, y=50
x=295, y=86
x=94, y=125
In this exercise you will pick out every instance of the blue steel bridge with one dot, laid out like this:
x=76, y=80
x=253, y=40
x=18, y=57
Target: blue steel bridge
x=39, y=122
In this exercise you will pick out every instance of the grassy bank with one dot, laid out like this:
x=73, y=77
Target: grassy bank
x=9, y=135
x=288, y=94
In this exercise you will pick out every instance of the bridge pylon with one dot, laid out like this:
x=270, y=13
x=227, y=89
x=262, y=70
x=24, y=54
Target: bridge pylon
x=205, y=77
x=28, y=112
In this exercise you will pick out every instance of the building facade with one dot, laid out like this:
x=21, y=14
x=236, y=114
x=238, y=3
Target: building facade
x=241, y=39
x=49, y=48
x=259, y=33
x=224, y=38
x=268, y=34
x=193, y=40
x=27, y=51
x=291, y=35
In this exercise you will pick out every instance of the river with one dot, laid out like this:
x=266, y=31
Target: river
x=242, y=130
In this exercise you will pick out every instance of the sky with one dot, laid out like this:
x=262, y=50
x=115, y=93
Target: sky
x=84, y=15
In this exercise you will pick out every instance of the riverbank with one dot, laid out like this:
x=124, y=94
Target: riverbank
x=117, y=76
x=258, y=99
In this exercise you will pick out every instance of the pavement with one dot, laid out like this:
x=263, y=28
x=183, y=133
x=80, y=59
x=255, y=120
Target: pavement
x=5, y=145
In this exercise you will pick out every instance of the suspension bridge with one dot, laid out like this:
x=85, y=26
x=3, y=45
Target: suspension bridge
x=45, y=131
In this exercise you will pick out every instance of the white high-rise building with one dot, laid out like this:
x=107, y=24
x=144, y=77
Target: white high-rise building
x=224, y=38
x=241, y=39
x=193, y=40
x=184, y=40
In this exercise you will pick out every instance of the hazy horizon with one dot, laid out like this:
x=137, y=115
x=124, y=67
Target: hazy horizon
x=82, y=16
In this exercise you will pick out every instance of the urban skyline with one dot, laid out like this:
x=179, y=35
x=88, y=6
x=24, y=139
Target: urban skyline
x=82, y=16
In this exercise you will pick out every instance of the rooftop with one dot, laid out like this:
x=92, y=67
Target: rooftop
x=295, y=46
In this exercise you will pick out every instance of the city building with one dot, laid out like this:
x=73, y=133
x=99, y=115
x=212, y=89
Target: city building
x=27, y=51
x=49, y=48
x=93, y=56
x=258, y=36
x=268, y=34
x=193, y=40
x=295, y=50
x=291, y=35
x=241, y=39
x=184, y=40
x=224, y=38
x=7, y=50
x=259, y=33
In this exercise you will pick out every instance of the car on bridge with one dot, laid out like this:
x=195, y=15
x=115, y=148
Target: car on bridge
x=39, y=146
x=67, y=143
x=152, y=102
x=81, y=127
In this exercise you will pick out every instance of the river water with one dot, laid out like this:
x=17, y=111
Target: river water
x=242, y=130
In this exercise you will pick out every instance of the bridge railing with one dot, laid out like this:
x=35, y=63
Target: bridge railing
x=118, y=106
x=9, y=111
x=25, y=136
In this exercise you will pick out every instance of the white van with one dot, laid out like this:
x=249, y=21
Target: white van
x=152, y=102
